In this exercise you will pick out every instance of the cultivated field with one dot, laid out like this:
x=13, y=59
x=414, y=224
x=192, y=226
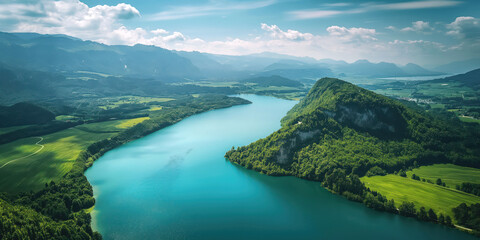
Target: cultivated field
x=440, y=199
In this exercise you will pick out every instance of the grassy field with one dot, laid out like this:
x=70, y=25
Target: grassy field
x=451, y=174
x=130, y=122
x=56, y=158
x=65, y=118
x=469, y=119
x=155, y=108
x=111, y=126
x=440, y=199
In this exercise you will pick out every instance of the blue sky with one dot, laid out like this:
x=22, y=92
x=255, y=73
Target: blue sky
x=427, y=32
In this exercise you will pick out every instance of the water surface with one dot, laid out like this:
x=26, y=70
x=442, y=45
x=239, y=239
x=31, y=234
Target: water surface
x=176, y=184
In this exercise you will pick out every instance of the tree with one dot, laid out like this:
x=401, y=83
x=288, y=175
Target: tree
x=422, y=214
x=448, y=221
x=407, y=209
x=431, y=215
x=439, y=181
x=441, y=219
x=390, y=206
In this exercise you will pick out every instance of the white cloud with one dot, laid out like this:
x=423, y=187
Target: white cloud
x=466, y=28
x=70, y=17
x=310, y=14
x=419, y=26
x=159, y=31
x=277, y=33
x=352, y=34
x=391, y=28
x=369, y=7
x=211, y=8
x=416, y=5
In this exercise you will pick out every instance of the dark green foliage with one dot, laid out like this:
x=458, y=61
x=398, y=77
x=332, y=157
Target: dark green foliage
x=448, y=221
x=407, y=209
x=19, y=222
x=390, y=206
x=472, y=188
x=422, y=214
x=376, y=171
x=24, y=114
x=468, y=216
x=441, y=219
x=439, y=181
x=402, y=173
x=432, y=216
x=415, y=177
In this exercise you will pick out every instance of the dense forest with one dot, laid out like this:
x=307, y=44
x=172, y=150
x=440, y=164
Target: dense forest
x=58, y=210
x=24, y=114
x=340, y=132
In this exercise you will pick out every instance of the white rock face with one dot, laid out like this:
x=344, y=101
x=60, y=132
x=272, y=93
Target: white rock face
x=364, y=119
x=285, y=149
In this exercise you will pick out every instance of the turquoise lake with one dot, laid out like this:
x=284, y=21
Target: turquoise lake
x=176, y=184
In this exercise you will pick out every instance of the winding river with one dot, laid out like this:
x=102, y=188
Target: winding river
x=176, y=184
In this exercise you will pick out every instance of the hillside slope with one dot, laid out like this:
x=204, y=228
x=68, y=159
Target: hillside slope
x=24, y=114
x=340, y=131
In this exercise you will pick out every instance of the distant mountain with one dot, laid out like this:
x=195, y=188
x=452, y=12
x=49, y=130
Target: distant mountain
x=469, y=79
x=24, y=114
x=382, y=69
x=340, y=132
x=299, y=74
x=459, y=66
x=60, y=53
x=273, y=81
x=278, y=56
x=416, y=70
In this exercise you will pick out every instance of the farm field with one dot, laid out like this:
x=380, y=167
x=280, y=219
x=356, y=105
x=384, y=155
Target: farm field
x=452, y=175
x=401, y=189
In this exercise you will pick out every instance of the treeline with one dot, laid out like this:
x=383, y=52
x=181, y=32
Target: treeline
x=468, y=216
x=24, y=113
x=58, y=210
x=472, y=188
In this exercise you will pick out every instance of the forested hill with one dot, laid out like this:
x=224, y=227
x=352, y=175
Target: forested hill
x=469, y=79
x=340, y=131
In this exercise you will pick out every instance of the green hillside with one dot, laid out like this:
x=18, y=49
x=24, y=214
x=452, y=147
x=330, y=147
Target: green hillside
x=24, y=114
x=340, y=132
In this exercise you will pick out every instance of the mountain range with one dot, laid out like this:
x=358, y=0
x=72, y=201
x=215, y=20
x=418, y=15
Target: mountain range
x=68, y=55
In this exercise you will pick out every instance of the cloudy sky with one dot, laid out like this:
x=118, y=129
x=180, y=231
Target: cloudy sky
x=427, y=32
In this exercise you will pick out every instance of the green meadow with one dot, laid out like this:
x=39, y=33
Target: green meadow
x=452, y=175
x=25, y=173
x=401, y=189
